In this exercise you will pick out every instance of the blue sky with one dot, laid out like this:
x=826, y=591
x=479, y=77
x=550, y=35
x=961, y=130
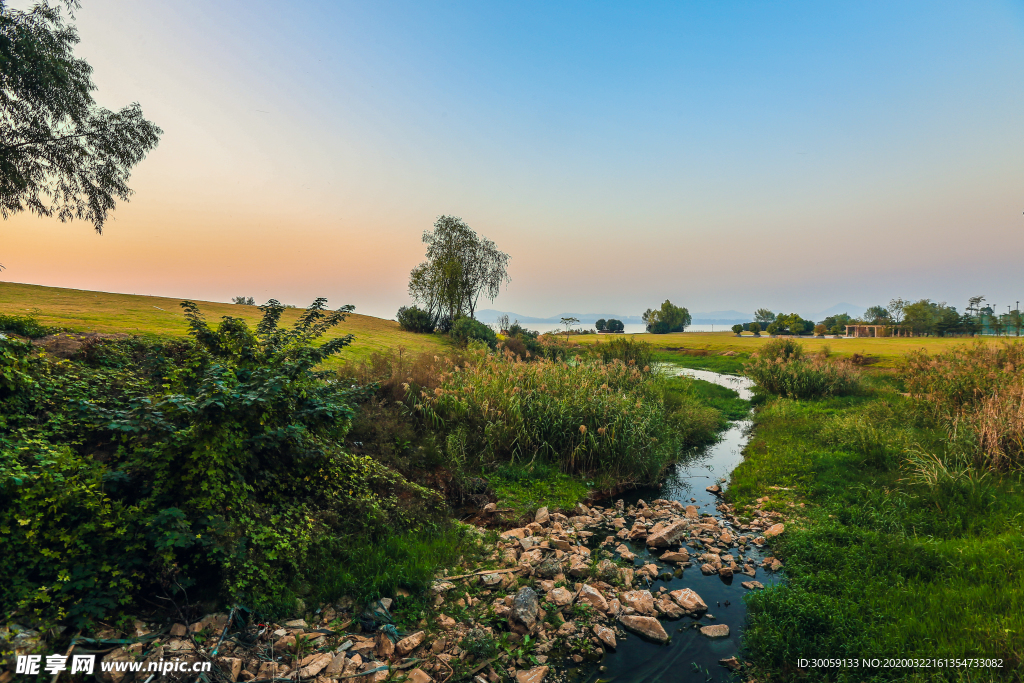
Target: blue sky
x=724, y=155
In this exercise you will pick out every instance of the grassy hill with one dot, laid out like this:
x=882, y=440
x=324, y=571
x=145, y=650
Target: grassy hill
x=156, y=316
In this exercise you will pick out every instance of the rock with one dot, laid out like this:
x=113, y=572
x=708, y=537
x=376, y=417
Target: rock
x=297, y=623
x=626, y=574
x=287, y=643
x=650, y=570
x=419, y=676
x=669, y=608
x=409, y=643
x=445, y=622
x=606, y=636
x=673, y=556
x=776, y=565
x=525, y=609
x=515, y=533
x=232, y=667
x=535, y=675
x=715, y=630
x=179, y=630
x=385, y=648
x=314, y=664
x=549, y=568
x=614, y=607
x=271, y=670
x=592, y=597
x=641, y=601
x=491, y=579
x=648, y=627
x=625, y=553
x=731, y=663
x=559, y=596
x=567, y=629
x=542, y=516
x=689, y=601
x=725, y=537
x=714, y=488
x=336, y=666
x=580, y=567
x=490, y=509
x=352, y=665
x=752, y=585
x=708, y=569
x=691, y=512
x=668, y=535
x=774, y=530
x=725, y=573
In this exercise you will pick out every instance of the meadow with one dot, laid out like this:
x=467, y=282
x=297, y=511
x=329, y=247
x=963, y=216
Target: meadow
x=156, y=317
x=883, y=352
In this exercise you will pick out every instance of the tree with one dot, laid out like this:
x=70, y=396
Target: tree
x=568, y=322
x=460, y=268
x=896, y=310
x=738, y=329
x=601, y=324
x=61, y=154
x=764, y=316
x=615, y=325
x=755, y=327
x=877, y=315
x=414, y=319
x=974, y=305
x=243, y=300
x=668, y=318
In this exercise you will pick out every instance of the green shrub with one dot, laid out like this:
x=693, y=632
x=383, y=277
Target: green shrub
x=626, y=349
x=737, y=329
x=415, y=319
x=466, y=330
x=214, y=465
x=26, y=326
x=583, y=415
x=779, y=368
x=755, y=327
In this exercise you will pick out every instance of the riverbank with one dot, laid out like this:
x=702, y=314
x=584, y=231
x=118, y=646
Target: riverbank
x=896, y=554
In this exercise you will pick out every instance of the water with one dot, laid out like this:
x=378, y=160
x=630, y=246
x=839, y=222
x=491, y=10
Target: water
x=638, y=661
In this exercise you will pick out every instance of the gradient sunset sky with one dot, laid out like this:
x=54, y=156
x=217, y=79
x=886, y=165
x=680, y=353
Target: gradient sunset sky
x=724, y=155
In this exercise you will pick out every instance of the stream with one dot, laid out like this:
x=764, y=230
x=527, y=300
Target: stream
x=691, y=656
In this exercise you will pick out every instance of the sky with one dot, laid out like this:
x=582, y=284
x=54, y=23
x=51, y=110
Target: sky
x=790, y=155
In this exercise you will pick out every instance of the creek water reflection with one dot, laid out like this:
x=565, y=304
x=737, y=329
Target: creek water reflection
x=691, y=656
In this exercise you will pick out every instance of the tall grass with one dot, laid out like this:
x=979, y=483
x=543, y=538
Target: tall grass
x=780, y=367
x=584, y=415
x=977, y=393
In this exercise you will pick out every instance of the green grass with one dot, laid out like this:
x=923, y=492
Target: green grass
x=883, y=352
x=723, y=399
x=526, y=487
x=154, y=316
x=715, y=362
x=880, y=566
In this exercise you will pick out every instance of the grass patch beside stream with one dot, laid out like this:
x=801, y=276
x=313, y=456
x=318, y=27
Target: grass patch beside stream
x=891, y=559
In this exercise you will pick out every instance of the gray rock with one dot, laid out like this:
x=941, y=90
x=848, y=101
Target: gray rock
x=525, y=608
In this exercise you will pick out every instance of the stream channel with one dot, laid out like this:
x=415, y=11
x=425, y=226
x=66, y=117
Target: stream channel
x=690, y=656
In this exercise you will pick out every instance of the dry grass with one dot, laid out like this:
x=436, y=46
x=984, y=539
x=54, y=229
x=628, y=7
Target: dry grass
x=977, y=391
x=154, y=316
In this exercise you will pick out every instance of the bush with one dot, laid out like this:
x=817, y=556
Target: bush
x=779, y=368
x=819, y=330
x=214, y=463
x=26, y=326
x=630, y=351
x=415, y=319
x=584, y=416
x=737, y=329
x=978, y=390
x=466, y=330
x=755, y=327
